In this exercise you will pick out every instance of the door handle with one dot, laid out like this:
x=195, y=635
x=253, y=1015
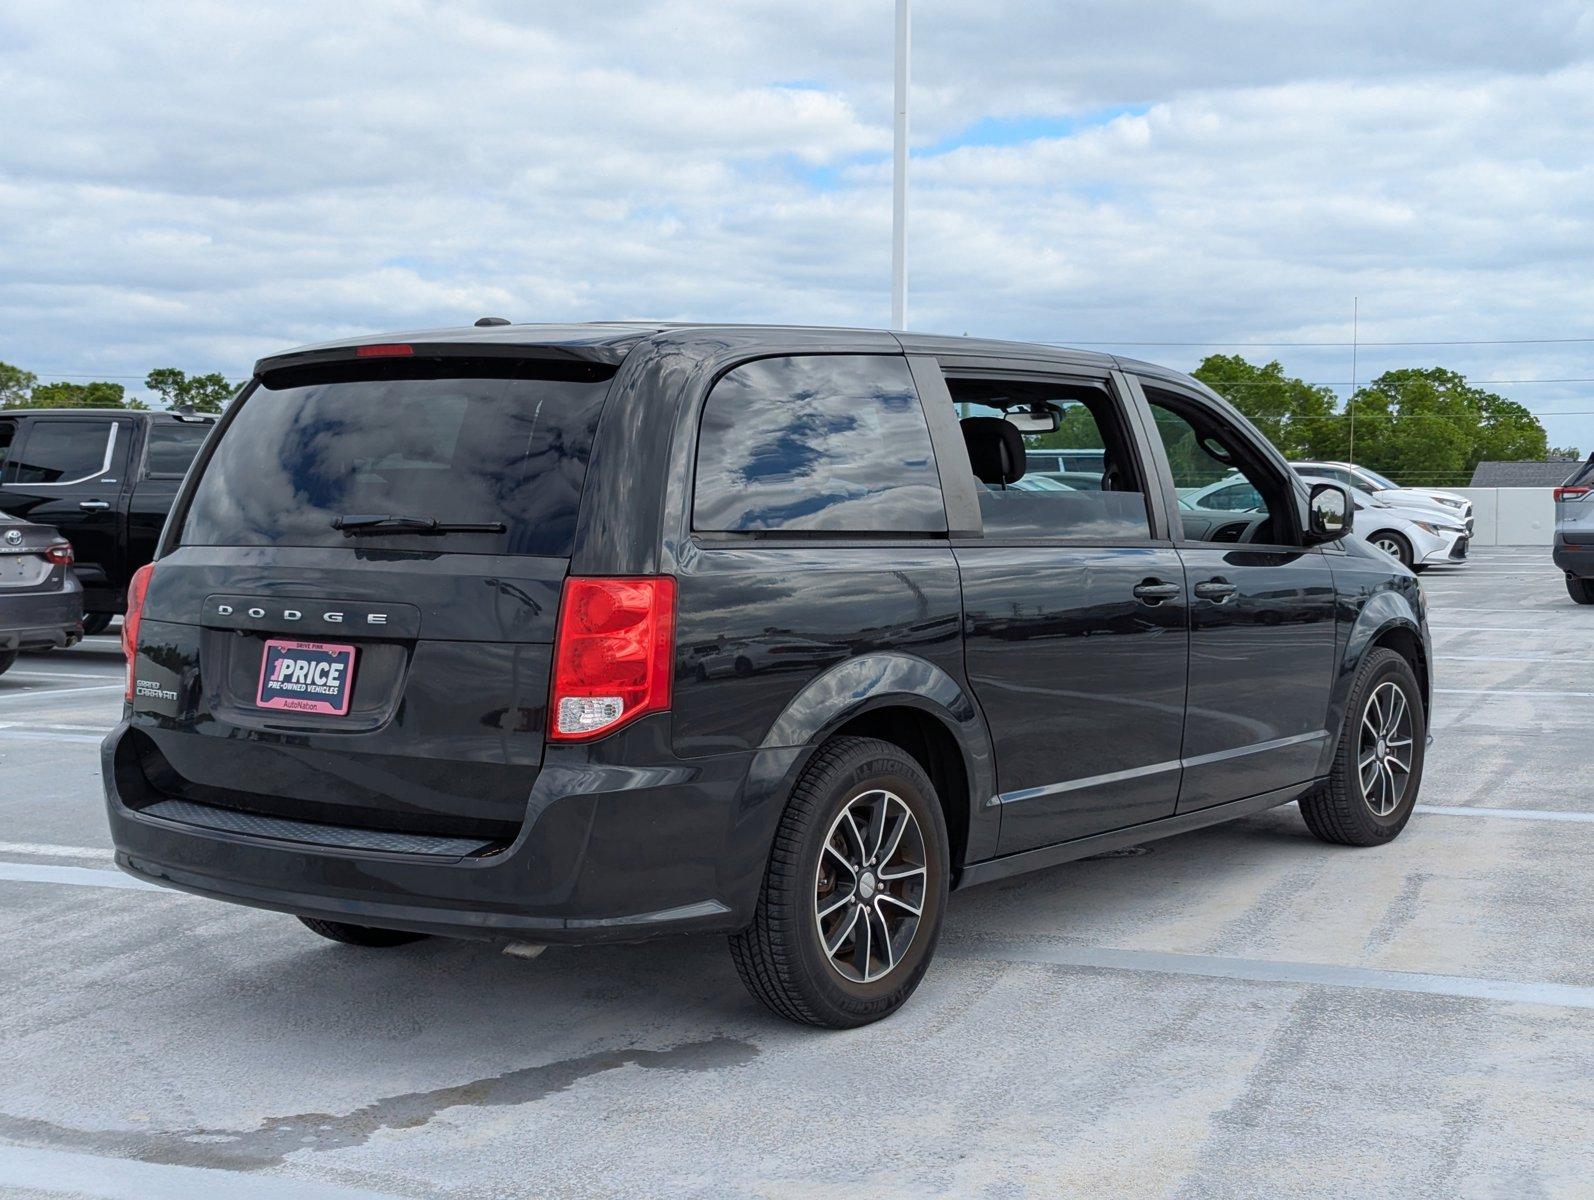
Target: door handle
x=94, y=505
x=1155, y=591
x=1216, y=589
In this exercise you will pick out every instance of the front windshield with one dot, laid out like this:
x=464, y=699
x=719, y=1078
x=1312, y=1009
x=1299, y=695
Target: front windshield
x=1380, y=484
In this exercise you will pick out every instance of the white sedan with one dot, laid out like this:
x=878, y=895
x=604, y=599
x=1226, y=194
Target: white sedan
x=1417, y=534
x=1352, y=476
x=1414, y=530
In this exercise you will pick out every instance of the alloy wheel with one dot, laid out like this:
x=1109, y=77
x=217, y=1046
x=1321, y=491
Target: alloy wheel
x=1389, y=546
x=1384, y=750
x=869, y=889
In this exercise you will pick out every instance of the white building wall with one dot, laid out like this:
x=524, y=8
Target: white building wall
x=1511, y=516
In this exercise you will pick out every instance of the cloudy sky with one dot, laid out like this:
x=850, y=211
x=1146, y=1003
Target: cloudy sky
x=196, y=184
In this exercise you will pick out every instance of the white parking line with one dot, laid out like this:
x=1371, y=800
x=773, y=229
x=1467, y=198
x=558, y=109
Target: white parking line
x=1561, y=610
x=1551, y=632
x=1516, y=658
x=46, y=850
x=67, y=1172
x=63, y=674
x=57, y=727
x=1270, y=971
x=1534, y=695
x=1510, y=814
x=31, y=695
x=14, y=733
x=72, y=877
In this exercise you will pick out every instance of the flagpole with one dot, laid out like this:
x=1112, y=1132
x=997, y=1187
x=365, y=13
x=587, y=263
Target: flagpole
x=899, y=177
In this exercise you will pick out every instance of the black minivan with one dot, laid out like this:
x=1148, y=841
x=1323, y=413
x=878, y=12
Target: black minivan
x=546, y=634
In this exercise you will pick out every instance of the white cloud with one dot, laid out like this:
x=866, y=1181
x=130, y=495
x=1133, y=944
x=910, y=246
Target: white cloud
x=199, y=184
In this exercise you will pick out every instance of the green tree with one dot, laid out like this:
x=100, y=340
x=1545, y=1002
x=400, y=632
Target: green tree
x=1296, y=416
x=15, y=384
x=98, y=394
x=1430, y=425
x=202, y=393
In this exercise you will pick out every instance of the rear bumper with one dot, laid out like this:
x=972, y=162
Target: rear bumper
x=1575, y=558
x=606, y=853
x=41, y=620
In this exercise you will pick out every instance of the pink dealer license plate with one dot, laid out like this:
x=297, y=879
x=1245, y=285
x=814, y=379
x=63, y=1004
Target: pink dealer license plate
x=311, y=677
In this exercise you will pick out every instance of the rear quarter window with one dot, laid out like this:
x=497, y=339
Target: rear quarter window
x=451, y=440
x=817, y=443
x=172, y=448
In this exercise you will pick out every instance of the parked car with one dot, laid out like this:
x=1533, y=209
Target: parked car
x=1574, y=532
x=41, y=601
x=105, y=479
x=1052, y=461
x=417, y=653
x=1417, y=533
x=1419, y=537
x=1351, y=475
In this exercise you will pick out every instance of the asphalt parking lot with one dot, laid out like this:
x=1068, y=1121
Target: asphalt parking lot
x=1238, y=1012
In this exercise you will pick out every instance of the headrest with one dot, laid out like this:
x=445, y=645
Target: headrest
x=996, y=449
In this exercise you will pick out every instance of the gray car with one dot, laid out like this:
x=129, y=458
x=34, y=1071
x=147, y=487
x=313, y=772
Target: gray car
x=1574, y=532
x=41, y=601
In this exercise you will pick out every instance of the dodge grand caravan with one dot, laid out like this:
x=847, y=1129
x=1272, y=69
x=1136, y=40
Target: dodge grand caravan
x=565, y=634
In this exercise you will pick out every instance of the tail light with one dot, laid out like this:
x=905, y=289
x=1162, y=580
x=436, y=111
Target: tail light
x=612, y=655
x=60, y=554
x=136, y=591
x=1571, y=493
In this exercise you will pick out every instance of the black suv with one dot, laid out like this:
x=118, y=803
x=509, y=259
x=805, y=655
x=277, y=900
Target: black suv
x=566, y=634
x=105, y=479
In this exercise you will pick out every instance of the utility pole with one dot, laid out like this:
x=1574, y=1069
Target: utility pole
x=899, y=178
x=1355, y=331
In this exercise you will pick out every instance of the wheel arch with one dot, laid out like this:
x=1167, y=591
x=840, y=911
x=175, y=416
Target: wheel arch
x=1390, y=620
x=1411, y=549
x=913, y=704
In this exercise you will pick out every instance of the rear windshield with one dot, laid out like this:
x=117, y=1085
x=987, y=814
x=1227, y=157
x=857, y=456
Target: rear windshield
x=450, y=440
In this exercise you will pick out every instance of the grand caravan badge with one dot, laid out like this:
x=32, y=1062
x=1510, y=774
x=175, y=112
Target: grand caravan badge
x=310, y=677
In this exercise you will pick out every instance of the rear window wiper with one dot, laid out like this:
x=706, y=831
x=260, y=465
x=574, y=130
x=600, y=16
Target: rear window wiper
x=358, y=524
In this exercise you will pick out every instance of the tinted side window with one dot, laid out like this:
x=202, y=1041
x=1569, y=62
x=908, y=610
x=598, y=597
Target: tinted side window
x=61, y=452
x=8, y=431
x=172, y=448
x=1079, y=482
x=833, y=443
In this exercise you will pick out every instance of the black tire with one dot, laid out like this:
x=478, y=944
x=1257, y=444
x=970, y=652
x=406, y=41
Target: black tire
x=780, y=956
x=8, y=659
x=1402, y=548
x=1581, y=590
x=96, y=623
x=359, y=935
x=1340, y=810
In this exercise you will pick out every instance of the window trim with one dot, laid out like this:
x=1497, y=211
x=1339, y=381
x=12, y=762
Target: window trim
x=1118, y=393
x=28, y=429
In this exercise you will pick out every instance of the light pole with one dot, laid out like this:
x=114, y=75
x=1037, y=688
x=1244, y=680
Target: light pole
x=899, y=178
x=1355, y=337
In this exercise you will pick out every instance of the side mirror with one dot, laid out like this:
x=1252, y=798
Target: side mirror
x=1330, y=513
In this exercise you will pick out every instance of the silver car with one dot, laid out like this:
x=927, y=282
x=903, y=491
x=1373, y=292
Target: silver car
x=41, y=601
x=1574, y=532
x=1455, y=506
